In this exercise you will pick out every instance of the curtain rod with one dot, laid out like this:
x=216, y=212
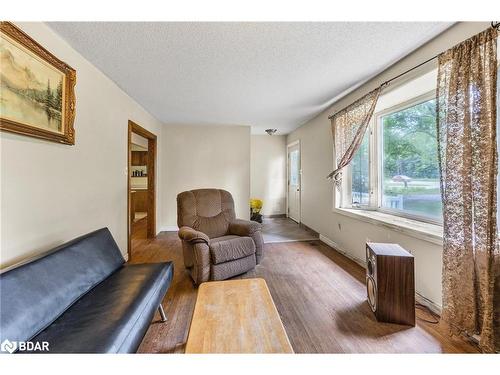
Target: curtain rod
x=495, y=25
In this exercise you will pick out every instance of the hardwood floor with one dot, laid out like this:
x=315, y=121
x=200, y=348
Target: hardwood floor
x=284, y=229
x=138, y=233
x=320, y=296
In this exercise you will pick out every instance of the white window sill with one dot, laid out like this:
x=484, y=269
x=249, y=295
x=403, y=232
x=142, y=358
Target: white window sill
x=414, y=228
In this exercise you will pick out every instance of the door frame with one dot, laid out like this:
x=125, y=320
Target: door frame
x=152, y=146
x=288, y=146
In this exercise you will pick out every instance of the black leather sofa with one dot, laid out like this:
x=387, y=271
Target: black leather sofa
x=81, y=297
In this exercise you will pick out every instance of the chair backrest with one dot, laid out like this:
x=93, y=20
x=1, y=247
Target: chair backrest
x=35, y=293
x=206, y=210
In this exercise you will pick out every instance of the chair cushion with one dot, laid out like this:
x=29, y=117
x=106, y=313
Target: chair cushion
x=227, y=248
x=115, y=315
x=223, y=271
x=35, y=293
x=206, y=210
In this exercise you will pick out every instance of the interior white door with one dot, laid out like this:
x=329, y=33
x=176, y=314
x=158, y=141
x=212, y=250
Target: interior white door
x=294, y=182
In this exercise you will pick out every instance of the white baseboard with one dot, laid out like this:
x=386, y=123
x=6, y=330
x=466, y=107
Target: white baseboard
x=328, y=241
x=336, y=247
x=169, y=228
x=434, y=307
x=431, y=305
x=287, y=241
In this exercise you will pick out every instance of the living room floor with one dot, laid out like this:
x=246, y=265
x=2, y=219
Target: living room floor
x=283, y=229
x=320, y=296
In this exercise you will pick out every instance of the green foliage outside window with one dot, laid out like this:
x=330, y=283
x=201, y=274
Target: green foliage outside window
x=410, y=161
x=410, y=143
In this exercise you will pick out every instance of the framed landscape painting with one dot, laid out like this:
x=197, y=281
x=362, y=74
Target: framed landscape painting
x=37, y=95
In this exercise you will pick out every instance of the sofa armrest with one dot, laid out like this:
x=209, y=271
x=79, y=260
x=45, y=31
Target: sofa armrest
x=193, y=236
x=243, y=227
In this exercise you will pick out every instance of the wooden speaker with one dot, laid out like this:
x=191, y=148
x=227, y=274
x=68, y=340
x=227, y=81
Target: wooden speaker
x=390, y=283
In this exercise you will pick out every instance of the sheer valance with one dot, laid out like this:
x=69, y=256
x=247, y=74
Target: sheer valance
x=348, y=128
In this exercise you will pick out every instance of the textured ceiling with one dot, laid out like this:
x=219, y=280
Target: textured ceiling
x=265, y=75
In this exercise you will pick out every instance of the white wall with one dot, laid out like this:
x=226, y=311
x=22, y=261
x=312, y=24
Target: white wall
x=317, y=161
x=268, y=172
x=195, y=157
x=51, y=193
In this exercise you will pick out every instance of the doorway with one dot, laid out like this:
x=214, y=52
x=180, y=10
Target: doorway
x=141, y=187
x=294, y=181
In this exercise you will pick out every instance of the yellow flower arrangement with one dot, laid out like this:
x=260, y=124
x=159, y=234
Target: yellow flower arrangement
x=255, y=205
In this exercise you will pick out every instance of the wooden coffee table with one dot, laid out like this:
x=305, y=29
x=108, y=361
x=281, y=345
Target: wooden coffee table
x=236, y=316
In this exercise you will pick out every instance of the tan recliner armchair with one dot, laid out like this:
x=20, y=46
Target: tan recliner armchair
x=215, y=244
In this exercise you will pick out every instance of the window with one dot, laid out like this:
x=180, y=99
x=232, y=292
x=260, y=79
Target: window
x=396, y=167
x=360, y=175
x=409, y=163
x=294, y=167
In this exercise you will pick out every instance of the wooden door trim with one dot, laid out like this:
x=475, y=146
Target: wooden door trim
x=152, y=147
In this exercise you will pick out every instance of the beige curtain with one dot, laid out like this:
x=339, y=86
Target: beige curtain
x=348, y=128
x=466, y=107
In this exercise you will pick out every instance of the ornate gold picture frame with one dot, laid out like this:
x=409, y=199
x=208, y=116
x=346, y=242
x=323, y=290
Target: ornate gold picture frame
x=37, y=90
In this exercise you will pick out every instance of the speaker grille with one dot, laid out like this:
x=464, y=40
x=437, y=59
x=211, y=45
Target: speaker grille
x=370, y=267
x=371, y=289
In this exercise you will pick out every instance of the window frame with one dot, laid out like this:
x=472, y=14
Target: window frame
x=348, y=177
x=375, y=163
